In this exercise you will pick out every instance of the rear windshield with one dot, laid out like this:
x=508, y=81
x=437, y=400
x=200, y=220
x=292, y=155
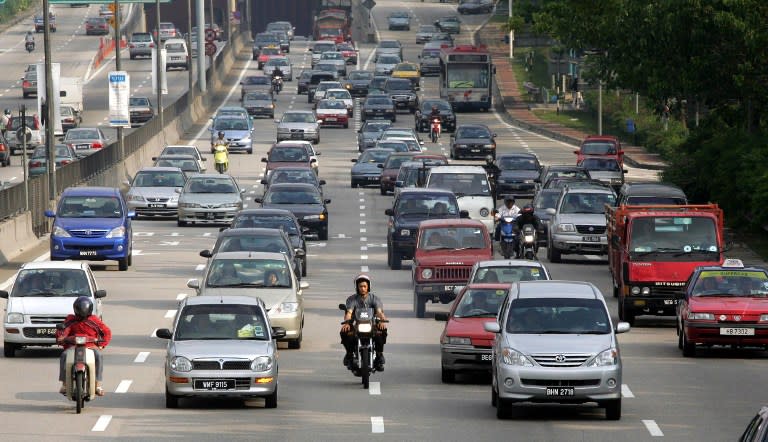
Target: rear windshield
x=508, y=274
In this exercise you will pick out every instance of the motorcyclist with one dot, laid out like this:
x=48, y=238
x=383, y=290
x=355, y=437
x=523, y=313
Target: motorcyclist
x=29, y=37
x=509, y=208
x=363, y=298
x=526, y=216
x=277, y=72
x=221, y=140
x=493, y=172
x=4, y=120
x=83, y=323
x=434, y=113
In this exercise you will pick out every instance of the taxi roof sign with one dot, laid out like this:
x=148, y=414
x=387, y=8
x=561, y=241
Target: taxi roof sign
x=733, y=263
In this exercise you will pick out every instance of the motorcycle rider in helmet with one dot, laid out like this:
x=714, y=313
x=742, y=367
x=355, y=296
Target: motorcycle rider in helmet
x=29, y=37
x=509, y=208
x=363, y=298
x=84, y=323
x=526, y=216
x=221, y=139
x=4, y=120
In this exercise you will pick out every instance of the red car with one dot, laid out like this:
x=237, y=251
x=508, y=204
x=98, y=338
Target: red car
x=96, y=26
x=286, y=155
x=332, y=113
x=602, y=146
x=348, y=51
x=465, y=346
x=267, y=53
x=724, y=305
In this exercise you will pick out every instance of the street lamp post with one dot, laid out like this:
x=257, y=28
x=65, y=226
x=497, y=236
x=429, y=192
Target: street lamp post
x=48, y=109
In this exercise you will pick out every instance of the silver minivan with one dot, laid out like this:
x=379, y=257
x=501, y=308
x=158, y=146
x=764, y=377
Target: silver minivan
x=556, y=343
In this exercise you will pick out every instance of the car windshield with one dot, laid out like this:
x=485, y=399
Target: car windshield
x=480, y=303
x=601, y=164
x=546, y=200
x=440, y=105
x=258, y=79
x=517, y=163
x=598, y=148
x=388, y=59
x=575, y=173
x=158, y=179
x=323, y=47
x=508, y=274
x=51, y=283
x=405, y=67
x=266, y=221
x=731, y=283
x=270, y=51
x=251, y=243
x=220, y=322
x=371, y=128
x=473, y=132
x=557, y=316
x=41, y=152
x=138, y=101
x=327, y=67
x=298, y=118
x=379, y=101
x=230, y=124
x=29, y=120
x=389, y=44
x=457, y=238
x=293, y=196
x=82, y=135
x=277, y=62
x=144, y=37
x=430, y=206
x=373, y=156
x=66, y=111
x=331, y=104
x=255, y=96
x=174, y=47
x=673, y=234
x=586, y=203
x=394, y=162
x=397, y=146
x=90, y=207
x=210, y=185
x=288, y=154
x=461, y=184
x=360, y=76
x=398, y=85
x=325, y=85
x=248, y=272
x=293, y=176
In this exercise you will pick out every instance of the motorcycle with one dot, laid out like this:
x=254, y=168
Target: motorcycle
x=221, y=157
x=365, y=325
x=30, y=46
x=277, y=83
x=527, y=246
x=80, y=375
x=507, y=236
x=435, y=130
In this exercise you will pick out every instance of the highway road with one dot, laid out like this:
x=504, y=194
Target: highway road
x=710, y=398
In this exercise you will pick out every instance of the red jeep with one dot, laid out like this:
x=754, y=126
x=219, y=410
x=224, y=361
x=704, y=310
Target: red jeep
x=446, y=250
x=601, y=146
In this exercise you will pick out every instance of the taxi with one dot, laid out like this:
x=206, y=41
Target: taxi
x=409, y=71
x=268, y=52
x=723, y=305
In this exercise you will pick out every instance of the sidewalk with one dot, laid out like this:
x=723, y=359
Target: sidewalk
x=513, y=102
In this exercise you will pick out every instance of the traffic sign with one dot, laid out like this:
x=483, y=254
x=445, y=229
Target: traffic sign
x=24, y=133
x=210, y=35
x=210, y=49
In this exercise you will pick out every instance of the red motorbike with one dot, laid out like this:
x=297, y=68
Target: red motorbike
x=80, y=375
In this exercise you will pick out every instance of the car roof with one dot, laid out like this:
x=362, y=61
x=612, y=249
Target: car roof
x=249, y=231
x=451, y=222
x=425, y=191
x=159, y=169
x=658, y=189
x=91, y=191
x=229, y=299
x=510, y=262
x=76, y=265
x=557, y=289
x=457, y=169
x=249, y=255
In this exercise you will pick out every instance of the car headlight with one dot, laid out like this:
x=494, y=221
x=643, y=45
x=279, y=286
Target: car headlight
x=458, y=340
x=461, y=146
x=566, y=228
x=405, y=232
x=348, y=86
x=764, y=317
x=426, y=273
x=14, y=318
x=231, y=205
x=58, y=231
x=489, y=146
x=312, y=217
x=645, y=291
x=484, y=212
x=180, y=363
x=262, y=363
x=510, y=356
x=117, y=232
x=288, y=307
x=174, y=199
x=704, y=316
x=189, y=205
x=138, y=198
x=605, y=358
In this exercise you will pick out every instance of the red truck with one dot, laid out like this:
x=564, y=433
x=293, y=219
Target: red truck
x=446, y=250
x=652, y=251
x=332, y=24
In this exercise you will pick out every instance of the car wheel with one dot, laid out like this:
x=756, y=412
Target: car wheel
x=122, y=264
x=689, y=348
x=383, y=192
x=613, y=410
x=180, y=223
x=304, y=267
x=296, y=343
x=553, y=254
x=271, y=400
x=323, y=234
x=353, y=185
x=133, y=57
x=9, y=350
x=494, y=396
x=420, y=305
x=447, y=376
x=626, y=314
x=679, y=338
x=615, y=292
x=171, y=401
x=346, y=125
x=130, y=258
x=397, y=260
x=250, y=151
x=502, y=409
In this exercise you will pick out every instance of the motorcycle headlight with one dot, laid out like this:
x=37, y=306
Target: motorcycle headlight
x=484, y=212
x=262, y=363
x=458, y=340
x=180, y=363
x=14, y=318
x=426, y=273
x=289, y=307
x=364, y=327
x=567, y=228
x=117, y=232
x=58, y=231
x=701, y=316
x=528, y=238
x=138, y=198
x=605, y=358
x=510, y=356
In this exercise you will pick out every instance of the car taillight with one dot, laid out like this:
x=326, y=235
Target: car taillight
x=35, y=164
x=151, y=45
x=26, y=84
x=64, y=162
x=132, y=46
x=97, y=146
x=69, y=120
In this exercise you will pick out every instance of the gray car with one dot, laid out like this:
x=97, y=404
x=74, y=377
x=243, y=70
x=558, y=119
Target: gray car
x=425, y=33
x=389, y=47
x=298, y=125
x=38, y=162
x=259, y=104
x=140, y=45
x=253, y=83
x=209, y=199
x=222, y=346
x=367, y=168
x=607, y=170
x=187, y=163
x=385, y=63
x=337, y=59
x=369, y=133
x=237, y=131
x=578, y=222
x=152, y=191
x=399, y=21
x=555, y=343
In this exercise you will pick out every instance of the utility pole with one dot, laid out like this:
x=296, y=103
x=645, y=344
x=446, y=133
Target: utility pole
x=49, y=107
x=159, y=67
x=118, y=67
x=200, y=15
x=189, y=44
x=600, y=107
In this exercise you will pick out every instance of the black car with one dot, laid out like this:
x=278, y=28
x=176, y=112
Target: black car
x=293, y=175
x=412, y=206
x=357, y=83
x=303, y=200
x=545, y=199
x=258, y=240
x=475, y=6
x=275, y=219
x=450, y=24
x=377, y=84
x=302, y=81
x=366, y=171
x=315, y=79
x=473, y=140
x=423, y=116
x=370, y=132
x=400, y=90
x=517, y=174
x=379, y=107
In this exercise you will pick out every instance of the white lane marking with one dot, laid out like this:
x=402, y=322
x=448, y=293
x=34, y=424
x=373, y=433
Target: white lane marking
x=170, y=314
x=363, y=239
x=181, y=296
x=377, y=424
x=143, y=233
x=154, y=333
x=362, y=215
x=103, y=422
x=363, y=257
x=363, y=268
x=363, y=248
x=207, y=234
x=374, y=388
x=510, y=126
x=362, y=207
x=141, y=357
x=124, y=385
x=362, y=231
x=592, y=257
x=199, y=267
x=626, y=392
x=653, y=427
x=342, y=236
x=362, y=222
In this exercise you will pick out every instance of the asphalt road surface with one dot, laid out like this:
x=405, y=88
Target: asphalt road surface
x=710, y=398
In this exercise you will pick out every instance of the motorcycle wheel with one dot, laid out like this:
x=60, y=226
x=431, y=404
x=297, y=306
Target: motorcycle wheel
x=506, y=249
x=529, y=255
x=79, y=391
x=365, y=366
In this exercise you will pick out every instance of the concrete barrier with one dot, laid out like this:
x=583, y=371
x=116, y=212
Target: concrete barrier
x=16, y=237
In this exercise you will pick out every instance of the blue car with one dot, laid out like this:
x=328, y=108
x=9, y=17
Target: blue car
x=92, y=224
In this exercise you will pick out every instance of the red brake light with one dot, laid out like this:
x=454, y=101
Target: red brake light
x=35, y=164
x=2, y=147
x=97, y=146
x=131, y=46
x=65, y=162
x=151, y=45
x=26, y=84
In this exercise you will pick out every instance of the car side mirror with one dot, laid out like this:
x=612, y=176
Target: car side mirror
x=163, y=333
x=313, y=160
x=278, y=332
x=441, y=316
x=131, y=214
x=303, y=285
x=327, y=201
x=277, y=121
x=263, y=159
x=380, y=166
x=550, y=211
x=177, y=190
x=193, y=283
x=624, y=171
x=264, y=181
x=319, y=121
x=258, y=199
x=50, y=214
x=60, y=326
x=299, y=252
x=389, y=212
x=318, y=153
x=622, y=327
x=127, y=182
x=204, y=158
x=101, y=293
x=463, y=214
x=206, y=253
x=492, y=327
x=3, y=294
x=398, y=184
x=321, y=182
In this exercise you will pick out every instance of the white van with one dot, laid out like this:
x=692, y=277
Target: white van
x=176, y=54
x=471, y=187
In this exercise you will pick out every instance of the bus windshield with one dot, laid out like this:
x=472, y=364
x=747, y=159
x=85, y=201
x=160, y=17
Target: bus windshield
x=468, y=75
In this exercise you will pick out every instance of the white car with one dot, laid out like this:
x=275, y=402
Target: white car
x=342, y=95
x=323, y=88
x=41, y=297
x=313, y=154
x=472, y=189
x=283, y=63
x=177, y=54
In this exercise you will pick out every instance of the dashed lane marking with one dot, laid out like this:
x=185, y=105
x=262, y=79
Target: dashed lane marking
x=141, y=357
x=105, y=419
x=626, y=392
x=377, y=424
x=653, y=428
x=199, y=267
x=364, y=269
x=363, y=257
x=170, y=314
x=374, y=388
x=181, y=296
x=123, y=386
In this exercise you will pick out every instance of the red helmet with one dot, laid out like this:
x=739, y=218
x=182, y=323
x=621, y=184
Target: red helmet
x=527, y=209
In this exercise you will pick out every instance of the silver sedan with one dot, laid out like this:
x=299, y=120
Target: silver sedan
x=153, y=191
x=298, y=125
x=209, y=199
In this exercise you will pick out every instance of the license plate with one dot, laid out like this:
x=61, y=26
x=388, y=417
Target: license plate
x=297, y=136
x=560, y=391
x=372, y=178
x=214, y=384
x=670, y=302
x=88, y=253
x=156, y=205
x=330, y=118
x=83, y=146
x=449, y=288
x=485, y=358
x=731, y=331
x=475, y=150
x=45, y=331
x=590, y=238
x=210, y=215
